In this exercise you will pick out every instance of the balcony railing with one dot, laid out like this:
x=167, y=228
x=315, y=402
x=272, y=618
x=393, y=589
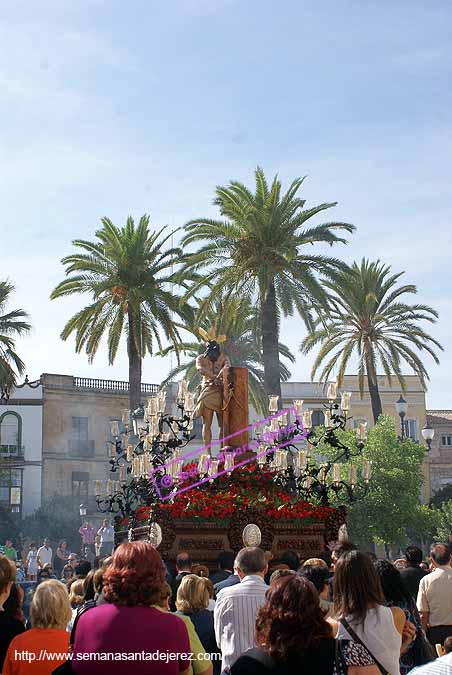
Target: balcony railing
x=81, y=448
x=11, y=451
x=111, y=385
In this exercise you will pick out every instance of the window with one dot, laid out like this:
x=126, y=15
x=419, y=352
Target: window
x=80, y=428
x=411, y=429
x=318, y=418
x=10, y=433
x=80, y=483
x=11, y=489
x=446, y=440
x=79, y=443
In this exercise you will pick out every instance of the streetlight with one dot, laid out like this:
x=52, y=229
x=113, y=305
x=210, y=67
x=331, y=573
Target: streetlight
x=82, y=512
x=401, y=407
x=138, y=421
x=428, y=434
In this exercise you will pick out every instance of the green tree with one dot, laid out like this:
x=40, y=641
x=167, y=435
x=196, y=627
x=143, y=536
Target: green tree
x=12, y=325
x=259, y=251
x=129, y=276
x=367, y=317
x=445, y=521
x=56, y=518
x=238, y=319
x=391, y=506
x=442, y=495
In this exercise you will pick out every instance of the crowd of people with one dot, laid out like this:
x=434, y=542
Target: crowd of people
x=344, y=614
x=41, y=562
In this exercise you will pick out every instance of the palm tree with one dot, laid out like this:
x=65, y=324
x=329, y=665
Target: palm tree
x=368, y=317
x=258, y=252
x=236, y=318
x=11, y=325
x=130, y=278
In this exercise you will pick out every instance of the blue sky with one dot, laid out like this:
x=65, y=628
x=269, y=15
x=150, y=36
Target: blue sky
x=108, y=108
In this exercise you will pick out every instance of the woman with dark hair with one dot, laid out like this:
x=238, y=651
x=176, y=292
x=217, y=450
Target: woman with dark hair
x=128, y=622
x=61, y=557
x=397, y=595
x=14, y=603
x=9, y=625
x=293, y=637
x=359, y=605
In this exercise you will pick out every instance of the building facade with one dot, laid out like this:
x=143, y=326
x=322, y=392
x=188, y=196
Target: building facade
x=76, y=429
x=21, y=449
x=77, y=413
x=441, y=451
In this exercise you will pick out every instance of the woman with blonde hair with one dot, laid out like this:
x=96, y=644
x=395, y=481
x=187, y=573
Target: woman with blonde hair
x=192, y=601
x=50, y=613
x=76, y=598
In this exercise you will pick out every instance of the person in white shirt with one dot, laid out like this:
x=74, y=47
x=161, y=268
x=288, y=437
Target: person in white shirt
x=441, y=666
x=107, y=538
x=45, y=554
x=236, y=606
x=434, y=600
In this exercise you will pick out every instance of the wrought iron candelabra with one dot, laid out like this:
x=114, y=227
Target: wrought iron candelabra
x=299, y=472
x=136, y=450
x=285, y=449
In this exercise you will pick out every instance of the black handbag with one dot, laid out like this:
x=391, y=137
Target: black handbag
x=423, y=651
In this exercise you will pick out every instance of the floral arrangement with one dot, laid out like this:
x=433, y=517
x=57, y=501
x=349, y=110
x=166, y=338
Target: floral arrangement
x=248, y=486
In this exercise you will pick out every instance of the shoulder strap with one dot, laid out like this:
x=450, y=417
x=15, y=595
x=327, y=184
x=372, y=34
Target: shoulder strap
x=357, y=639
x=74, y=625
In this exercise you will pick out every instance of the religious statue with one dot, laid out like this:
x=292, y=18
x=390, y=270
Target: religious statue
x=213, y=366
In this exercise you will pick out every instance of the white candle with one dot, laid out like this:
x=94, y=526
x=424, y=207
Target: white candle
x=189, y=402
x=361, y=432
x=114, y=428
x=182, y=390
x=366, y=470
x=97, y=488
x=152, y=406
x=109, y=487
x=273, y=403
x=322, y=473
x=126, y=417
x=162, y=402
x=301, y=460
x=332, y=391
x=352, y=475
x=327, y=415
x=307, y=419
x=336, y=473
x=298, y=405
x=112, y=450
x=203, y=464
x=129, y=453
x=213, y=467
x=228, y=461
x=122, y=473
x=345, y=401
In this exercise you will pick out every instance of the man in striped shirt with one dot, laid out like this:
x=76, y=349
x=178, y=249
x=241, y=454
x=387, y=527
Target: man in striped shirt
x=236, y=607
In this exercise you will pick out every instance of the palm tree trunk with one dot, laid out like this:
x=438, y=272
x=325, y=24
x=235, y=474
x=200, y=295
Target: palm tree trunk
x=134, y=366
x=373, y=390
x=270, y=344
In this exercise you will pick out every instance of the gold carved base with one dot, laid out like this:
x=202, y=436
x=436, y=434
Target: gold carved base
x=205, y=540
